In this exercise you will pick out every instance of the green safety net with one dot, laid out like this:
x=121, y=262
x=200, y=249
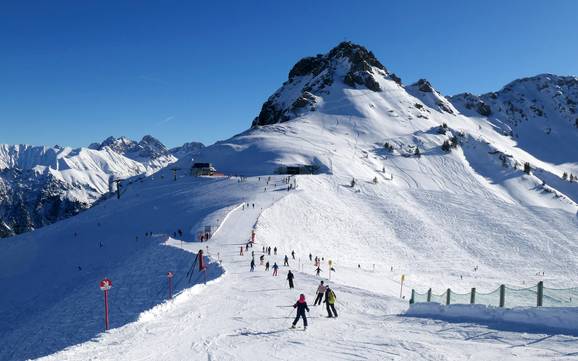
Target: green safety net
x=488, y=299
x=513, y=297
x=460, y=298
x=419, y=297
x=557, y=297
x=439, y=298
x=521, y=297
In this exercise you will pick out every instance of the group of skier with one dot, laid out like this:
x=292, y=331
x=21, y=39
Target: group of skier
x=301, y=304
x=324, y=294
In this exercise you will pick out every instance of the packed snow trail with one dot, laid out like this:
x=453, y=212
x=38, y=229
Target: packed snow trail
x=246, y=316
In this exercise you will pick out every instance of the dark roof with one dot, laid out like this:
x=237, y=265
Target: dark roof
x=201, y=165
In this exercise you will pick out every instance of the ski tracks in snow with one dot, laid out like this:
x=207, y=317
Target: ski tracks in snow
x=246, y=315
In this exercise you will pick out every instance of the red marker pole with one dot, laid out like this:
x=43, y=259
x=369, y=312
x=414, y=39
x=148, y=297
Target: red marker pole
x=105, y=285
x=106, y=325
x=202, y=267
x=170, y=277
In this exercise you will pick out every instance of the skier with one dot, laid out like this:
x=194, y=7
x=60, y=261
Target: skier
x=320, y=293
x=290, y=277
x=310, y=257
x=267, y=266
x=261, y=259
x=301, y=307
x=275, y=250
x=330, y=302
x=286, y=261
x=247, y=247
x=241, y=252
x=318, y=271
x=275, y=268
x=253, y=265
x=293, y=254
x=269, y=251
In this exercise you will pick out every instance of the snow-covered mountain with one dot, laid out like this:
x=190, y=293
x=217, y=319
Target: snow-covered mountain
x=346, y=105
x=149, y=151
x=540, y=113
x=189, y=149
x=410, y=184
x=40, y=185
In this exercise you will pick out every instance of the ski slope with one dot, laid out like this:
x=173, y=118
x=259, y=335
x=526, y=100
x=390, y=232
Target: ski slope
x=244, y=315
x=460, y=218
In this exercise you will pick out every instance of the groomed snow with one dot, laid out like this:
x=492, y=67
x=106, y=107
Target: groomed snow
x=243, y=315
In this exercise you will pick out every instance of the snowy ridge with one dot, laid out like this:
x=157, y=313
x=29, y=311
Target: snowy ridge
x=540, y=113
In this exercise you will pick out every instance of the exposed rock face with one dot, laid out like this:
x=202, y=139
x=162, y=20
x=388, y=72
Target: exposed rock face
x=29, y=201
x=424, y=91
x=305, y=99
x=312, y=77
x=424, y=86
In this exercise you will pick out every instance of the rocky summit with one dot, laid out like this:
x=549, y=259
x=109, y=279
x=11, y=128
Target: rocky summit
x=312, y=77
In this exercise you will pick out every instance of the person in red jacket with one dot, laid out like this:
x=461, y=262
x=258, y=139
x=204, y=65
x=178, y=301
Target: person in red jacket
x=301, y=307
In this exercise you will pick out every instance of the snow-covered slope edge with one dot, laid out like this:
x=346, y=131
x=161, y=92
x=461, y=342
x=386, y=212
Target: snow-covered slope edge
x=55, y=300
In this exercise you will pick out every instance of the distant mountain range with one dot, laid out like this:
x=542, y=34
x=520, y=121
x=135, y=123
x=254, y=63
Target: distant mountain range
x=40, y=185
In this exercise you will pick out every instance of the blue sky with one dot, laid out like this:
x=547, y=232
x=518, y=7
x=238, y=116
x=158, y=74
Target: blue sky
x=74, y=72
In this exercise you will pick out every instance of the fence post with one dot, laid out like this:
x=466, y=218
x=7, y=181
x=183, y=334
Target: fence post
x=412, y=299
x=540, y=294
x=448, y=293
x=502, y=295
x=429, y=295
x=473, y=296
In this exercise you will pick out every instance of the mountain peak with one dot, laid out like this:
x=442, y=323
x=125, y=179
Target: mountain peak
x=359, y=57
x=148, y=147
x=347, y=65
